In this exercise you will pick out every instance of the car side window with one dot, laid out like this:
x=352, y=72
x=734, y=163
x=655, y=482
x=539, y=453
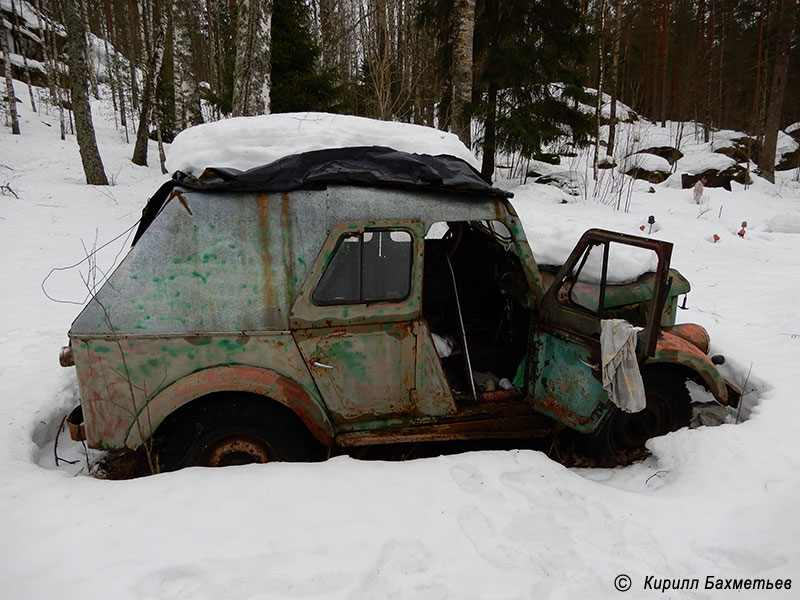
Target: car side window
x=373, y=266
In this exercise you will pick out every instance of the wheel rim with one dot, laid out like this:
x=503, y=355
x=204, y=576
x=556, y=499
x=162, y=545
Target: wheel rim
x=234, y=449
x=632, y=430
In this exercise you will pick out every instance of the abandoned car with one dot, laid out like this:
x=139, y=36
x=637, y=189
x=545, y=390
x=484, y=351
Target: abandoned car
x=363, y=296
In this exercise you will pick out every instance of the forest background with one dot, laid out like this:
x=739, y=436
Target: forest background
x=510, y=77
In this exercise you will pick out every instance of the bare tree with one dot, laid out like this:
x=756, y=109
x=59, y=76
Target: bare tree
x=153, y=40
x=601, y=51
x=74, y=18
x=612, y=126
x=23, y=52
x=10, y=95
x=187, y=92
x=462, y=68
x=251, y=82
x=778, y=89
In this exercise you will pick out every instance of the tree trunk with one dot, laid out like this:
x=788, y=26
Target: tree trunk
x=666, y=18
x=601, y=39
x=187, y=92
x=78, y=77
x=23, y=52
x=251, y=82
x=754, y=123
x=53, y=60
x=155, y=55
x=707, y=121
x=489, y=135
x=612, y=127
x=10, y=95
x=45, y=53
x=778, y=88
x=462, y=69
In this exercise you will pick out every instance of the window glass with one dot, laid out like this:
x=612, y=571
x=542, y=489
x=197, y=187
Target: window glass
x=386, y=266
x=341, y=282
x=371, y=267
x=626, y=264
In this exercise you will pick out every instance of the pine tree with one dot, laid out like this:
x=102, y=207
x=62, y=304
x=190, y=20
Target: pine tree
x=296, y=84
x=529, y=83
x=778, y=89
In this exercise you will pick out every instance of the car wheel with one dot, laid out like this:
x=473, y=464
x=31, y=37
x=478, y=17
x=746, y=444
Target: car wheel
x=233, y=430
x=667, y=408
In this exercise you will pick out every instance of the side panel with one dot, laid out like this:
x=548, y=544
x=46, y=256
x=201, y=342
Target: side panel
x=363, y=372
x=566, y=388
x=371, y=362
x=212, y=263
x=120, y=379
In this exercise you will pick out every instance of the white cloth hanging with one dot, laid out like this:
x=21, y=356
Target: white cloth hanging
x=621, y=377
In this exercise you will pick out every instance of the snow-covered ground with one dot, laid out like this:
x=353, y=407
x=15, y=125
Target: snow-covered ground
x=714, y=502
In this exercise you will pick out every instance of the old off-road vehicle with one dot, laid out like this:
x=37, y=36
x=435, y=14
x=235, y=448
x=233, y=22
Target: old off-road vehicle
x=364, y=296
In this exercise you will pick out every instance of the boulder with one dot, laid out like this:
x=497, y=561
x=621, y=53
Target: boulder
x=670, y=154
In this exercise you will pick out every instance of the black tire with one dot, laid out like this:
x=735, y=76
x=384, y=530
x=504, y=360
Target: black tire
x=224, y=430
x=668, y=408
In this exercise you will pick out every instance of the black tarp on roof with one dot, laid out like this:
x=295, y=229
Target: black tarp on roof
x=363, y=166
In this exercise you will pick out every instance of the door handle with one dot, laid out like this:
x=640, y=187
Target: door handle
x=321, y=365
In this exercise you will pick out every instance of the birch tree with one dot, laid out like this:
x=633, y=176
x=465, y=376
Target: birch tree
x=154, y=53
x=612, y=126
x=251, y=81
x=10, y=96
x=74, y=19
x=15, y=27
x=462, y=68
x=187, y=92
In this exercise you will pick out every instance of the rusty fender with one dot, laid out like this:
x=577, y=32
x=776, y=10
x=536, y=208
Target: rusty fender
x=675, y=350
x=236, y=378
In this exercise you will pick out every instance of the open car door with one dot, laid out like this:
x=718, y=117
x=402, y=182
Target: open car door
x=568, y=379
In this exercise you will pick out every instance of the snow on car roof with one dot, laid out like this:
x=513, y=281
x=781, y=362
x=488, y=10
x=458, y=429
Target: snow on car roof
x=246, y=142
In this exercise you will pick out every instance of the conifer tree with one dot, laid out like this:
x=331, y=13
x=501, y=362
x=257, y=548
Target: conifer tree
x=527, y=55
x=296, y=84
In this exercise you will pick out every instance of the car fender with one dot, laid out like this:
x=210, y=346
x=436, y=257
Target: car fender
x=234, y=378
x=675, y=350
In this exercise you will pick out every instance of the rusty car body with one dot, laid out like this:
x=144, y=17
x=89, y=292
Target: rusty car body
x=249, y=324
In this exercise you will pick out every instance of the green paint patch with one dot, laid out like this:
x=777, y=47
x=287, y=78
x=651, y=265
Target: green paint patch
x=156, y=279
x=231, y=246
x=189, y=258
x=301, y=262
x=102, y=349
x=231, y=346
x=171, y=277
x=134, y=277
x=199, y=276
x=212, y=227
x=208, y=257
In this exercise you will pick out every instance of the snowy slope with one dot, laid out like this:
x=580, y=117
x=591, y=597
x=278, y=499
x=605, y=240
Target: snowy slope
x=715, y=501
